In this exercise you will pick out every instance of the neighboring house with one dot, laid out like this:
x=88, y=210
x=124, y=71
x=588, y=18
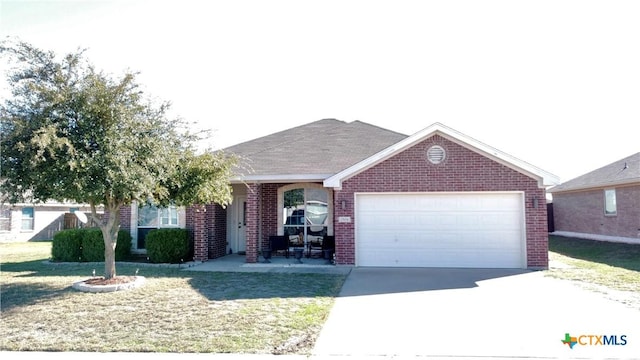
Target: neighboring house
x=437, y=198
x=603, y=204
x=30, y=222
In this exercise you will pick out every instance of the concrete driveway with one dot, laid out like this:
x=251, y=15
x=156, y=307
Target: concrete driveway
x=474, y=313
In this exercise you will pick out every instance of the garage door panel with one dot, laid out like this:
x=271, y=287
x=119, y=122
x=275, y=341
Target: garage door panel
x=440, y=230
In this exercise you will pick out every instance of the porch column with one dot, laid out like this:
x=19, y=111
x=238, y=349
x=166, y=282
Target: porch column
x=195, y=222
x=253, y=222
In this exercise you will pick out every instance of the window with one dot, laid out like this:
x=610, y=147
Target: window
x=152, y=217
x=5, y=218
x=305, y=214
x=27, y=218
x=155, y=217
x=169, y=216
x=610, y=207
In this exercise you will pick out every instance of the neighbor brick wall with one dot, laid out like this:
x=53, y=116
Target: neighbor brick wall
x=462, y=170
x=583, y=212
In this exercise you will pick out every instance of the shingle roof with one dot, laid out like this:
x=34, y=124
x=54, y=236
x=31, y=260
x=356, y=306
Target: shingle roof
x=623, y=171
x=312, y=151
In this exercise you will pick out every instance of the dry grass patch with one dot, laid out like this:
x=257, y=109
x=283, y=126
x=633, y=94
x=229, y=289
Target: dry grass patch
x=609, y=268
x=175, y=311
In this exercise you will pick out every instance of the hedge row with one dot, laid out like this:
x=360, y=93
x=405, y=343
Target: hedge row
x=87, y=245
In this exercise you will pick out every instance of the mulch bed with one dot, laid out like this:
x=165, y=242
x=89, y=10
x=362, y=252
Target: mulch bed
x=113, y=281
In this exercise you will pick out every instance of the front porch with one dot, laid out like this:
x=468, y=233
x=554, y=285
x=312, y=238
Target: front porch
x=302, y=213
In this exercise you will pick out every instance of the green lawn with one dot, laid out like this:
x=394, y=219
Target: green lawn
x=175, y=311
x=613, y=265
x=189, y=311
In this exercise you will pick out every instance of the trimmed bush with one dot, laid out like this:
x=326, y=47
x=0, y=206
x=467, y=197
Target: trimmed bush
x=167, y=245
x=93, y=245
x=67, y=245
x=79, y=245
x=123, y=247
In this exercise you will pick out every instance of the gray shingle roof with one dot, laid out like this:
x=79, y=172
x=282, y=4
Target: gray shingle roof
x=318, y=149
x=623, y=171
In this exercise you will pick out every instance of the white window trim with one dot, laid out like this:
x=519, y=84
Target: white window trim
x=615, y=203
x=283, y=189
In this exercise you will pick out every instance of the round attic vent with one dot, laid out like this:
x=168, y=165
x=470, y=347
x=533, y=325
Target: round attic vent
x=436, y=154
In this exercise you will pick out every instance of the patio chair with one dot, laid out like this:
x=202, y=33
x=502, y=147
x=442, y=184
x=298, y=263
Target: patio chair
x=279, y=243
x=314, y=246
x=328, y=247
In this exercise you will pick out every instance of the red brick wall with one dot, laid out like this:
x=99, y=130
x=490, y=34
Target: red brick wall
x=125, y=218
x=583, y=212
x=462, y=170
x=253, y=222
x=216, y=224
x=269, y=211
x=196, y=224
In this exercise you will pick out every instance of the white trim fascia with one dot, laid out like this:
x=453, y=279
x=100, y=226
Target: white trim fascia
x=280, y=178
x=621, y=183
x=617, y=239
x=544, y=178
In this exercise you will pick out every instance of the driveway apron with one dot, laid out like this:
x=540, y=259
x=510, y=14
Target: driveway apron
x=474, y=313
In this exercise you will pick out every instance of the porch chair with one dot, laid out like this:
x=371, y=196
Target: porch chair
x=279, y=243
x=314, y=246
x=328, y=247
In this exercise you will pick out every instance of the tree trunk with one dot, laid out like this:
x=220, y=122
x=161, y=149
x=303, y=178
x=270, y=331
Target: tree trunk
x=110, y=229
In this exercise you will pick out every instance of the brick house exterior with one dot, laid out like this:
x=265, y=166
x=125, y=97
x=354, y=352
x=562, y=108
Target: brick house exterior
x=347, y=160
x=470, y=171
x=579, y=204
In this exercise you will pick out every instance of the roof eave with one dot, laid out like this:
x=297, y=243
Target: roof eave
x=602, y=185
x=280, y=178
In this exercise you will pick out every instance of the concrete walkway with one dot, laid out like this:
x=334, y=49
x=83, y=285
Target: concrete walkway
x=237, y=263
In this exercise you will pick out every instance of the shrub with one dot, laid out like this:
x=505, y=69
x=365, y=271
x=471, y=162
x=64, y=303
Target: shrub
x=67, y=245
x=167, y=245
x=87, y=245
x=123, y=247
x=93, y=245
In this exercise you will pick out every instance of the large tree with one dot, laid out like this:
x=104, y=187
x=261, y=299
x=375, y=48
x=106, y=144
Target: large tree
x=73, y=133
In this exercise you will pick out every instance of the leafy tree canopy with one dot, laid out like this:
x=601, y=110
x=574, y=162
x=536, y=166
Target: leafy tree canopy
x=71, y=132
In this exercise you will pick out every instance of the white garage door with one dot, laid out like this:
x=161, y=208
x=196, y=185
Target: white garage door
x=482, y=230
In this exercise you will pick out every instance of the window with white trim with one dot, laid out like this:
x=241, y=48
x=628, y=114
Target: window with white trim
x=152, y=217
x=155, y=217
x=610, y=207
x=27, y=218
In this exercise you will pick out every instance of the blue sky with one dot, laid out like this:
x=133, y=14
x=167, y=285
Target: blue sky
x=554, y=83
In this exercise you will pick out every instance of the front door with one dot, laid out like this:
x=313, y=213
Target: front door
x=240, y=225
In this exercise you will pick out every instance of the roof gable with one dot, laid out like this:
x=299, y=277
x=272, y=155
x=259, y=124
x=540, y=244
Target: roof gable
x=621, y=172
x=544, y=178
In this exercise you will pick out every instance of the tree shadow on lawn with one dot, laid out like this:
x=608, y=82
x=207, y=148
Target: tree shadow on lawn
x=221, y=286
x=31, y=282
x=620, y=255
